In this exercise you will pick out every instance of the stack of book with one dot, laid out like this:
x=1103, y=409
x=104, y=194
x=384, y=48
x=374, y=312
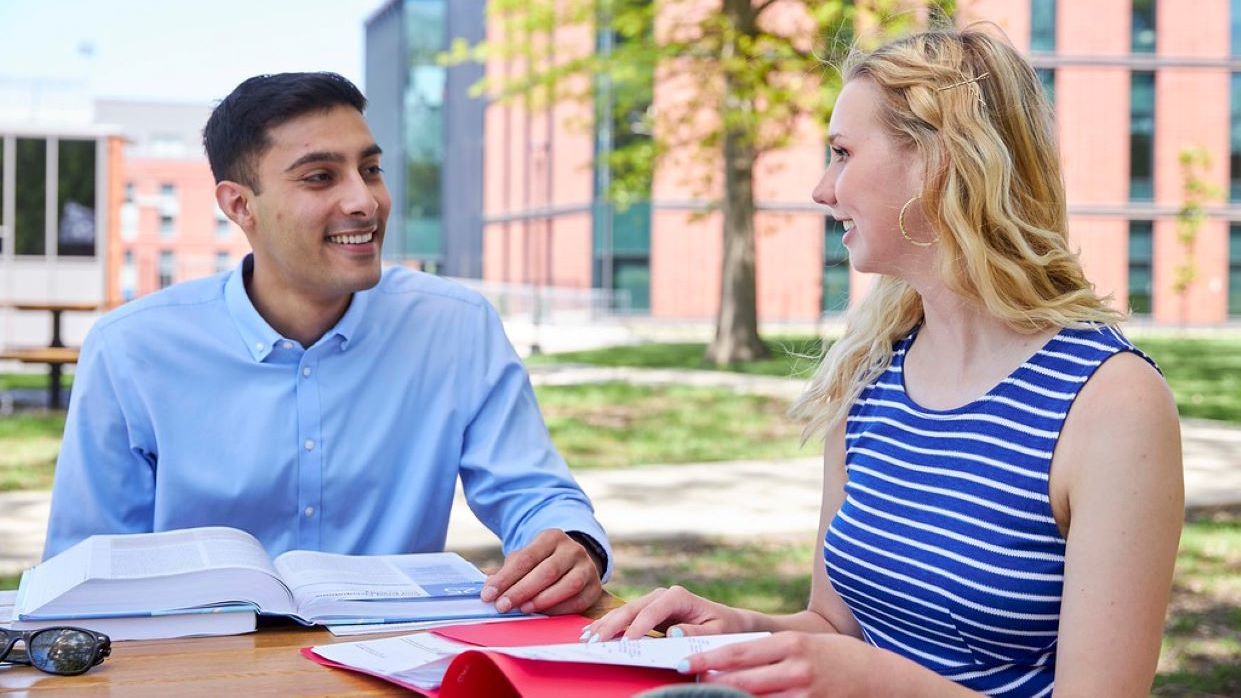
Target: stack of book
x=216, y=580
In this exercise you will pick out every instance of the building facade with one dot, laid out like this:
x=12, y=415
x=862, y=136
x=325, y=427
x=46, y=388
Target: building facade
x=1138, y=87
x=57, y=182
x=430, y=129
x=169, y=227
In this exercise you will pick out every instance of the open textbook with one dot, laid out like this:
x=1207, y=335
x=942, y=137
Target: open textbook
x=172, y=572
x=454, y=660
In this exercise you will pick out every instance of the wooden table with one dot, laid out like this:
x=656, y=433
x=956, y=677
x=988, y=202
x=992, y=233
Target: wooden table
x=56, y=309
x=56, y=355
x=263, y=663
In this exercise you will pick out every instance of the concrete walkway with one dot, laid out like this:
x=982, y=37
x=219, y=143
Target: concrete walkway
x=726, y=500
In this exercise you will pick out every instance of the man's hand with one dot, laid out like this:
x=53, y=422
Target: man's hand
x=553, y=575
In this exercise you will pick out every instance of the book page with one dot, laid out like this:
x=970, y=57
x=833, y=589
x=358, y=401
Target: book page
x=176, y=552
x=85, y=579
x=656, y=653
x=315, y=577
x=420, y=658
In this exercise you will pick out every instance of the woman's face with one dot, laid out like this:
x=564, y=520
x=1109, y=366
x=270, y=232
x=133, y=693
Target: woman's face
x=870, y=177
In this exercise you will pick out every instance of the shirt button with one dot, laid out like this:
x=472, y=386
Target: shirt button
x=310, y=511
x=306, y=372
x=310, y=444
x=287, y=345
x=258, y=345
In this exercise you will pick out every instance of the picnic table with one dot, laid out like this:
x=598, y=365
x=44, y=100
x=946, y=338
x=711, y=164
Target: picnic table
x=266, y=662
x=56, y=355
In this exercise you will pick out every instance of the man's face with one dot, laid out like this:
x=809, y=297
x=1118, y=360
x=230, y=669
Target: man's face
x=320, y=217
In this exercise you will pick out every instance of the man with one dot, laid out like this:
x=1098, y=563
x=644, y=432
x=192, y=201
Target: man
x=309, y=397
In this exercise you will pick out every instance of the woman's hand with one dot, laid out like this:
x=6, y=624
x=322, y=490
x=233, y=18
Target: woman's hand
x=817, y=664
x=675, y=611
x=793, y=664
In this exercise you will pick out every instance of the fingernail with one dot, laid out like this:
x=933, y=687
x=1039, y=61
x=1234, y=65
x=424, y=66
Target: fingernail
x=527, y=608
x=585, y=636
x=503, y=605
x=683, y=666
x=488, y=593
x=594, y=637
x=675, y=631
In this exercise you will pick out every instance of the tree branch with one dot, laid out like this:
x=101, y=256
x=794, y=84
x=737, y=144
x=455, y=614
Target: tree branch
x=763, y=6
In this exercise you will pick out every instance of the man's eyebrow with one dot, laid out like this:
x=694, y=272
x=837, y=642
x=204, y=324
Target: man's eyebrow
x=329, y=156
x=317, y=156
x=832, y=137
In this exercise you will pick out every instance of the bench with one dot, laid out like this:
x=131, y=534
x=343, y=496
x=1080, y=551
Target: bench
x=54, y=357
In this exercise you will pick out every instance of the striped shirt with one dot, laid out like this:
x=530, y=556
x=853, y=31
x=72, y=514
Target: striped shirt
x=945, y=548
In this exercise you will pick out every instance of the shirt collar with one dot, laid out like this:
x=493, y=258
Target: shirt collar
x=260, y=337
x=347, y=328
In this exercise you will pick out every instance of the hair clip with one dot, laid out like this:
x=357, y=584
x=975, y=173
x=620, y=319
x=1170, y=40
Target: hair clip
x=972, y=82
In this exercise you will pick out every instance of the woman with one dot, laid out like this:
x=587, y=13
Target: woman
x=1002, y=491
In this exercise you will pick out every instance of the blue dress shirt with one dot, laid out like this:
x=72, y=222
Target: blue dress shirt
x=188, y=409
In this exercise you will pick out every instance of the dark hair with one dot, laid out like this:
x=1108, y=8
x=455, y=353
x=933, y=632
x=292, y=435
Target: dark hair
x=236, y=135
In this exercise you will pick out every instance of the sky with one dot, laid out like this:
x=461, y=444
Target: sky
x=175, y=50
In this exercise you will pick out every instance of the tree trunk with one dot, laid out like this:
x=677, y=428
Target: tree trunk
x=736, y=327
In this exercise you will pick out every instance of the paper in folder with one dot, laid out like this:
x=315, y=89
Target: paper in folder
x=534, y=658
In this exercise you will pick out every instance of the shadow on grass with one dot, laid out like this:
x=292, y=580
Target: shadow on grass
x=1202, y=637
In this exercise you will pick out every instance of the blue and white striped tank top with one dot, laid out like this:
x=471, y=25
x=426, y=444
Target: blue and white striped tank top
x=945, y=548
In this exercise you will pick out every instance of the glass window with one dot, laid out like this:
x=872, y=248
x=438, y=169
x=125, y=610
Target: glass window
x=168, y=191
x=75, y=198
x=634, y=276
x=1141, y=266
x=222, y=228
x=1142, y=136
x=622, y=137
x=1234, y=269
x=129, y=192
x=1235, y=23
x=835, y=269
x=2, y=219
x=223, y=261
x=1047, y=77
x=1143, y=27
x=167, y=226
x=167, y=264
x=1234, y=140
x=30, y=192
x=129, y=277
x=423, y=129
x=1042, y=25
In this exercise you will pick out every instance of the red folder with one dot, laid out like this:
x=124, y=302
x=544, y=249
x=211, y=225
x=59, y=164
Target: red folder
x=482, y=673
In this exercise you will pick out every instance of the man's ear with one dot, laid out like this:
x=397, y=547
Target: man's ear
x=236, y=201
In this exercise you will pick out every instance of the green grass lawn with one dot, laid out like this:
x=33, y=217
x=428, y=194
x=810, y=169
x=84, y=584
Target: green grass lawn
x=29, y=443
x=609, y=425
x=790, y=356
x=1205, y=374
x=35, y=381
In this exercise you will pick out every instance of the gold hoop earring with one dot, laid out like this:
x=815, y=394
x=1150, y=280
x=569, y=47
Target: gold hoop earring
x=900, y=221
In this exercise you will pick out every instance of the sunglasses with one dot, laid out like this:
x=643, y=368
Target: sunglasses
x=61, y=650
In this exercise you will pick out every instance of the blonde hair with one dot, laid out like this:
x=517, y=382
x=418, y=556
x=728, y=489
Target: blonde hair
x=973, y=109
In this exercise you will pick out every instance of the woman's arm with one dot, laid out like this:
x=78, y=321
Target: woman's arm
x=1118, y=469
